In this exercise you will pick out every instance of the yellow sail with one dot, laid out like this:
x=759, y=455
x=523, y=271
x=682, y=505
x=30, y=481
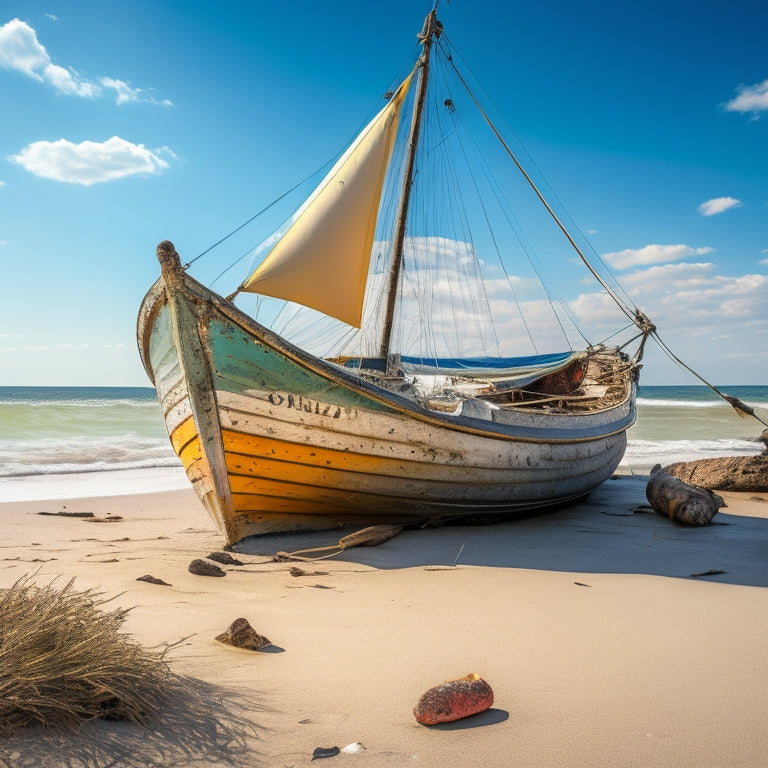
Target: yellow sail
x=322, y=260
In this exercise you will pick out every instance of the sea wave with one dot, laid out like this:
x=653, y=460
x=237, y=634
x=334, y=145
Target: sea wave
x=650, y=402
x=83, y=454
x=708, y=447
x=641, y=455
x=122, y=402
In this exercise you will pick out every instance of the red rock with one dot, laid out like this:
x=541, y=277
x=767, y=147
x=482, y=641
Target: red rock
x=453, y=700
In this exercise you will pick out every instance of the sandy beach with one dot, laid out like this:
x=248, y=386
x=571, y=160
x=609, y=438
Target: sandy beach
x=610, y=636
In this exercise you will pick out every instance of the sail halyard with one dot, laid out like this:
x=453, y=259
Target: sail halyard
x=322, y=260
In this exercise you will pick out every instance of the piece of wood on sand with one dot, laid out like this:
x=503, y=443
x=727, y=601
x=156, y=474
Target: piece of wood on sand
x=680, y=501
x=729, y=473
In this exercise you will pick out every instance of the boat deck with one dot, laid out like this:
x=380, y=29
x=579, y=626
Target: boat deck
x=593, y=382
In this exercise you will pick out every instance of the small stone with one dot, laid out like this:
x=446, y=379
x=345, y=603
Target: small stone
x=153, y=580
x=242, y=635
x=321, y=752
x=224, y=558
x=454, y=700
x=204, y=568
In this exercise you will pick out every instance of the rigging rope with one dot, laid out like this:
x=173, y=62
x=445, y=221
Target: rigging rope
x=647, y=328
x=449, y=56
x=741, y=409
x=628, y=312
x=255, y=216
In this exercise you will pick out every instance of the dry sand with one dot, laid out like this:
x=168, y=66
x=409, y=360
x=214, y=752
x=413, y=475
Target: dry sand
x=601, y=644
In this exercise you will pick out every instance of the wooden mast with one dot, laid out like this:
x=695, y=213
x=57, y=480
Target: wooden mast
x=432, y=29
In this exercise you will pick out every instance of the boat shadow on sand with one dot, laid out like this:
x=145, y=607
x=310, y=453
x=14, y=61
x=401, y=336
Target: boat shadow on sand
x=613, y=530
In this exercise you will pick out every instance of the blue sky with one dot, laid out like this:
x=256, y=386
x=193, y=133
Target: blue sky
x=124, y=124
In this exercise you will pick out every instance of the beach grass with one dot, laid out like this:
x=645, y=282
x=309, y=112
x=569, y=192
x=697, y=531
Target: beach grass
x=64, y=661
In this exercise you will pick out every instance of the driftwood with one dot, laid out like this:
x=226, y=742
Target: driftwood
x=366, y=537
x=679, y=501
x=732, y=473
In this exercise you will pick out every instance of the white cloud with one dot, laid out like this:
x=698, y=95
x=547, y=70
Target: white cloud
x=718, y=205
x=685, y=292
x=127, y=94
x=652, y=254
x=702, y=314
x=90, y=162
x=21, y=51
x=751, y=98
x=664, y=278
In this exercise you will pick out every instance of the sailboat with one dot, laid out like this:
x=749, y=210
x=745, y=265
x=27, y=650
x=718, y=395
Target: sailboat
x=275, y=436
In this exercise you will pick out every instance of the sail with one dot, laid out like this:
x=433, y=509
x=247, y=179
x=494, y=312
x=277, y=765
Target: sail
x=322, y=260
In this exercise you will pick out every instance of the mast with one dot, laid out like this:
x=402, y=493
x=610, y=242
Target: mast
x=432, y=29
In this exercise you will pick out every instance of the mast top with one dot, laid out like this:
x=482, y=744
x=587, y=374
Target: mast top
x=432, y=27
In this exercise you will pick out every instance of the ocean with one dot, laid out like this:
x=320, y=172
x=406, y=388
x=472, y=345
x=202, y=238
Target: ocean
x=66, y=442
x=61, y=442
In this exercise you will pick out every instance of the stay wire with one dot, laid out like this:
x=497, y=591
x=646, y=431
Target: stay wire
x=553, y=295
x=619, y=302
x=741, y=408
x=256, y=216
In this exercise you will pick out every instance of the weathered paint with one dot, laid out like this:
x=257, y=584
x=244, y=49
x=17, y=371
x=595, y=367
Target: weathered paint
x=272, y=438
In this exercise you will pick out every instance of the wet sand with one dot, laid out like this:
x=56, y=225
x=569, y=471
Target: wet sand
x=609, y=635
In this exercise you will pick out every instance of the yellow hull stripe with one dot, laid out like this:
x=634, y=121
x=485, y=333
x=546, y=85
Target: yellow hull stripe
x=183, y=434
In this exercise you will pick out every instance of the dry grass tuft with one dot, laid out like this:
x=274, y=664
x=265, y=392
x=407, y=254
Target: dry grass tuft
x=65, y=669
x=63, y=661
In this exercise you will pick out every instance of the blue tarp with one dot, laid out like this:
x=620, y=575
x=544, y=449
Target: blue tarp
x=487, y=363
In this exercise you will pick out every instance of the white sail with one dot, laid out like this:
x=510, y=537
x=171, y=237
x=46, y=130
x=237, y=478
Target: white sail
x=322, y=260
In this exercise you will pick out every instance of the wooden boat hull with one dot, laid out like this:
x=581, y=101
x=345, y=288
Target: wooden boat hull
x=275, y=439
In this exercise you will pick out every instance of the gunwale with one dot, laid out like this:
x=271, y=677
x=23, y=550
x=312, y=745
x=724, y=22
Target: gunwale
x=222, y=426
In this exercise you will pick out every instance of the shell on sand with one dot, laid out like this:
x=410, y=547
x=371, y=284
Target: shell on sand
x=453, y=700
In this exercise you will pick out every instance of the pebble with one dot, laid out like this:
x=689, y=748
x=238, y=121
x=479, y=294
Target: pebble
x=204, y=568
x=321, y=752
x=225, y=558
